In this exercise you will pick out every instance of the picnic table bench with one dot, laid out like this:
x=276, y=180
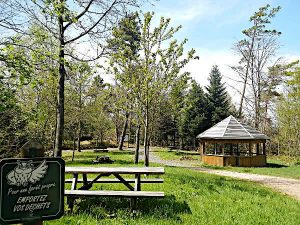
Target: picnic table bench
x=101, y=148
x=133, y=193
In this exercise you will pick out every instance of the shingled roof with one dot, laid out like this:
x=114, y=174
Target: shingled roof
x=230, y=128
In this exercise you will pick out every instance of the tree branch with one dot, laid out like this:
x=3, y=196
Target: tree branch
x=79, y=15
x=92, y=27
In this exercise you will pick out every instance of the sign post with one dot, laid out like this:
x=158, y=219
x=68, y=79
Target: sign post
x=31, y=188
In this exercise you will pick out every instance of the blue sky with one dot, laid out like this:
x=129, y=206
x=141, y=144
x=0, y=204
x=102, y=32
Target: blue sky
x=218, y=23
x=212, y=26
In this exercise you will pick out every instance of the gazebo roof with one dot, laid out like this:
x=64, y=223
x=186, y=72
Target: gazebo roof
x=231, y=129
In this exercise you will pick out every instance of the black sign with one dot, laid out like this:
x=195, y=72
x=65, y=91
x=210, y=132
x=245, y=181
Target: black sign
x=31, y=189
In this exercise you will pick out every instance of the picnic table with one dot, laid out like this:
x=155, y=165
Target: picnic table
x=133, y=191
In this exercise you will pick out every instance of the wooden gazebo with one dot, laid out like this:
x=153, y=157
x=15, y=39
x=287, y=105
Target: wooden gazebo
x=233, y=143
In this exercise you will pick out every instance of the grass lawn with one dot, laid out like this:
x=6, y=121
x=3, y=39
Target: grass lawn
x=191, y=198
x=277, y=166
x=166, y=154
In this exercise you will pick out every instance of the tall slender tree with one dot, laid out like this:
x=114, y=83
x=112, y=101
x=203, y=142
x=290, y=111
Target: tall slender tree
x=123, y=50
x=255, y=50
x=219, y=103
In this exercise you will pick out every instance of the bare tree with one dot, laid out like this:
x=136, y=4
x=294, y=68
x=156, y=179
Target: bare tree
x=256, y=51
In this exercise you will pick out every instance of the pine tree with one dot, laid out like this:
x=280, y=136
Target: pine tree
x=218, y=101
x=194, y=115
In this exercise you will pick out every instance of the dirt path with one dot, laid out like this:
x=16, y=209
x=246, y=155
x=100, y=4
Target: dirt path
x=285, y=185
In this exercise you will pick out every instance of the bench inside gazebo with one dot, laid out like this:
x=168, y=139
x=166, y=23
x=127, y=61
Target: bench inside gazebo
x=232, y=143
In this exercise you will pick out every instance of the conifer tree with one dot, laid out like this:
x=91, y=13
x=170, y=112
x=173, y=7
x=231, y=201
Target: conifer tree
x=194, y=115
x=218, y=101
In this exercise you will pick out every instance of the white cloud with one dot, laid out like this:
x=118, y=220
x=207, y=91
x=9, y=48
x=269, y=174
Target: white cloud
x=201, y=68
x=188, y=11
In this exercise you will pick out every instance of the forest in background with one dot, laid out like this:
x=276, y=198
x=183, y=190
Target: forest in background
x=52, y=92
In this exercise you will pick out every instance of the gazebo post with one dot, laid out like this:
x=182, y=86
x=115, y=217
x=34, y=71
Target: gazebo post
x=250, y=149
x=201, y=148
x=215, y=146
x=257, y=149
x=231, y=149
x=264, y=149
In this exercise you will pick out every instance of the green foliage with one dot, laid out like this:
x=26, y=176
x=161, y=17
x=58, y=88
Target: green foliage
x=12, y=123
x=288, y=113
x=194, y=116
x=218, y=100
x=260, y=19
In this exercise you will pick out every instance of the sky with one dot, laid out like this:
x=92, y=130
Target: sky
x=213, y=26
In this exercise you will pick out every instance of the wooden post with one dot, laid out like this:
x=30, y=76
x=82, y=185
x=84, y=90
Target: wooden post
x=215, y=148
x=250, y=149
x=264, y=149
x=32, y=149
x=201, y=148
x=237, y=155
x=257, y=149
x=231, y=149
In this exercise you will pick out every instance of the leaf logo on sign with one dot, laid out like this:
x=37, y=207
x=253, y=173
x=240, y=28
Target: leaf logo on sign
x=25, y=173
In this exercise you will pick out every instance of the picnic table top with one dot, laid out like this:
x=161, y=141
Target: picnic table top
x=115, y=170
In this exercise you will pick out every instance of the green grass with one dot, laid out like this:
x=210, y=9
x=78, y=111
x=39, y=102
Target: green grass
x=277, y=166
x=191, y=198
x=181, y=155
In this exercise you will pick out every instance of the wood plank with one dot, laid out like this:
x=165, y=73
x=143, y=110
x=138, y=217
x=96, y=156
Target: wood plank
x=123, y=181
x=85, y=193
x=112, y=181
x=74, y=181
x=115, y=170
x=137, y=183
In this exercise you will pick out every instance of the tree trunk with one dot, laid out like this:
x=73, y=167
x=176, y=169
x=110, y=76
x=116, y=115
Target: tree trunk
x=247, y=74
x=78, y=137
x=146, y=144
x=137, y=143
x=243, y=94
x=121, y=143
x=60, y=88
x=79, y=118
x=129, y=129
x=117, y=132
x=74, y=147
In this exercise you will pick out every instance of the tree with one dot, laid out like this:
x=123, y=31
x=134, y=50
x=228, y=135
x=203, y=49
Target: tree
x=12, y=122
x=218, y=100
x=68, y=22
x=159, y=69
x=77, y=88
x=32, y=75
x=194, y=115
x=156, y=69
x=288, y=112
x=255, y=50
x=123, y=48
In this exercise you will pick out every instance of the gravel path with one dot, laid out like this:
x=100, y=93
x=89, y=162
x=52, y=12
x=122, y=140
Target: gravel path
x=287, y=186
